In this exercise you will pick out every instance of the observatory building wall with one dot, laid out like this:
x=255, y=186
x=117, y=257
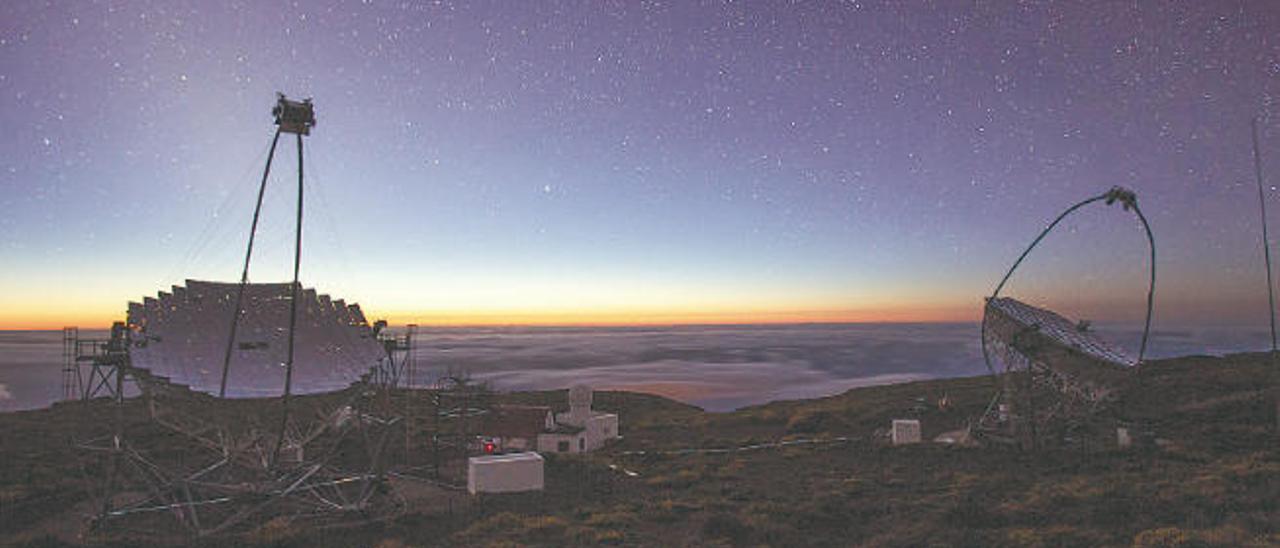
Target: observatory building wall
x=600, y=428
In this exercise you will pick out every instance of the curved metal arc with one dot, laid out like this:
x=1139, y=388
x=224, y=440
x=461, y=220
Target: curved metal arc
x=1127, y=200
x=1043, y=233
x=1151, y=287
x=244, y=275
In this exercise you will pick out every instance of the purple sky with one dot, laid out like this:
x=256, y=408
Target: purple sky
x=635, y=159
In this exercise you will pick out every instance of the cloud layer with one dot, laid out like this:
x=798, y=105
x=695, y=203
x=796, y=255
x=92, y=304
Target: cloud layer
x=716, y=367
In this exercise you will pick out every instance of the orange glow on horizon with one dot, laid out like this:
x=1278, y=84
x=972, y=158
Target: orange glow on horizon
x=57, y=319
x=21, y=318
x=601, y=317
x=95, y=311
x=12, y=320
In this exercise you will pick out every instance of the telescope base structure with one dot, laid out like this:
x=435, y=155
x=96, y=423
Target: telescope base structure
x=1056, y=378
x=223, y=474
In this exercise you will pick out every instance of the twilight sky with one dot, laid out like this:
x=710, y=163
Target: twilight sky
x=583, y=162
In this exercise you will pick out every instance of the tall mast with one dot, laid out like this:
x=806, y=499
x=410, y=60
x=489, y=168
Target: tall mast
x=297, y=118
x=1266, y=242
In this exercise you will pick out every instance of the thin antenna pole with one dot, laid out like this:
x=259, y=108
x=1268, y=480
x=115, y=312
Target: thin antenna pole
x=1266, y=254
x=1266, y=242
x=293, y=310
x=244, y=275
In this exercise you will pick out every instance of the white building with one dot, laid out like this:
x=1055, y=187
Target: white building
x=526, y=428
x=510, y=473
x=581, y=429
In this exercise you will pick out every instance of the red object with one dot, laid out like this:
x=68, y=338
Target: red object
x=489, y=447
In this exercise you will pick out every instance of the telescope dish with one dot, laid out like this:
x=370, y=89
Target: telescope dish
x=183, y=336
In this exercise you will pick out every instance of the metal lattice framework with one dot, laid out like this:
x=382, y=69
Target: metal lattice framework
x=1053, y=373
x=451, y=411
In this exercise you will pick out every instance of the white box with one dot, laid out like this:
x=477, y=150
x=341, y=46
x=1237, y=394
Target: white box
x=905, y=431
x=510, y=473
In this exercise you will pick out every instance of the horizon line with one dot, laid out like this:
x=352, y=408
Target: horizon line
x=449, y=325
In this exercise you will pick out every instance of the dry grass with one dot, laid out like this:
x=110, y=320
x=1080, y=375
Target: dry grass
x=1216, y=484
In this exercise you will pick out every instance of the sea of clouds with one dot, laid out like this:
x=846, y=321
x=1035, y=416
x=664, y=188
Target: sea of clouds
x=716, y=367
